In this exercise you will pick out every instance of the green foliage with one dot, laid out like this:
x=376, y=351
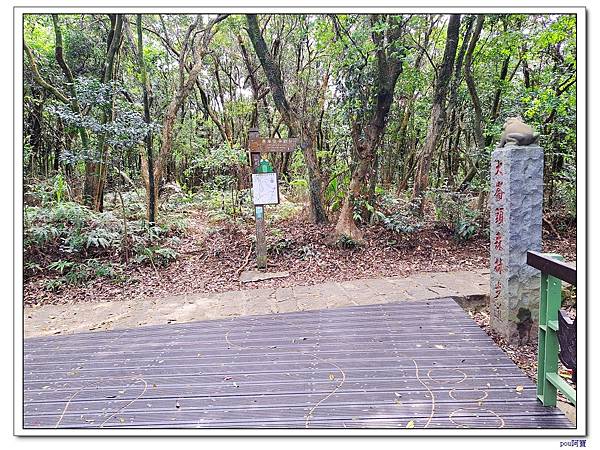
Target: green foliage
x=79, y=245
x=465, y=229
x=220, y=205
x=60, y=187
x=401, y=222
x=284, y=211
x=77, y=273
x=398, y=215
x=299, y=188
x=61, y=265
x=66, y=227
x=155, y=255
x=54, y=284
x=566, y=190
x=335, y=191
x=69, y=228
x=98, y=100
x=44, y=192
x=208, y=163
x=32, y=267
x=215, y=165
x=362, y=210
x=452, y=211
x=280, y=246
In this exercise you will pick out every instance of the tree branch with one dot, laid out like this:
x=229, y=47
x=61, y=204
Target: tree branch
x=271, y=70
x=39, y=80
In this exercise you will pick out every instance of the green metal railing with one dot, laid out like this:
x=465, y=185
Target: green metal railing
x=554, y=271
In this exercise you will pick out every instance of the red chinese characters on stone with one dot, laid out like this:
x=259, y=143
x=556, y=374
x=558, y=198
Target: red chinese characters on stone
x=498, y=265
x=497, y=289
x=495, y=310
x=499, y=167
x=499, y=193
x=498, y=238
x=498, y=241
x=499, y=217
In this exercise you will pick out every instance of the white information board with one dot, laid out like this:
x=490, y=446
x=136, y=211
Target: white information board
x=264, y=189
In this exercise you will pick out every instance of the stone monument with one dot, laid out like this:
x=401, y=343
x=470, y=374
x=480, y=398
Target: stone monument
x=516, y=199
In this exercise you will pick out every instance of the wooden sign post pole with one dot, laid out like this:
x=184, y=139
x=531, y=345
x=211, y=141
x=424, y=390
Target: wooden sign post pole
x=266, y=189
x=259, y=211
x=261, y=241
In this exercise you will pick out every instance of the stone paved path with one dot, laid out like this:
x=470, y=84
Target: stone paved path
x=471, y=288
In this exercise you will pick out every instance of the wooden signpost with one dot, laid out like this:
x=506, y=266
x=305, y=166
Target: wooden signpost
x=265, y=184
x=267, y=145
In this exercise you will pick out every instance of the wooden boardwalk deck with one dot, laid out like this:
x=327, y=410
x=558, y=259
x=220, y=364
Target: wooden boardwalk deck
x=406, y=364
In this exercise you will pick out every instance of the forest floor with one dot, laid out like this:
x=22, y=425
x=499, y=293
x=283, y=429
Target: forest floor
x=211, y=256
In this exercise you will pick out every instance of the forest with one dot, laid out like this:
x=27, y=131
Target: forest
x=135, y=147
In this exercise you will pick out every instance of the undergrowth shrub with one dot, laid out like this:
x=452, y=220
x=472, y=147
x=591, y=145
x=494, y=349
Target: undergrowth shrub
x=566, y=191
x=281, y=246
x=74, y=244
x=68, y=228
x=74, y=273
x=398, y=215
x=452, y=210
x=401, y=222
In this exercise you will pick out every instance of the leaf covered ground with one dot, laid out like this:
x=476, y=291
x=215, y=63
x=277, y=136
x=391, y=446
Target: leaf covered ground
x=211, y=255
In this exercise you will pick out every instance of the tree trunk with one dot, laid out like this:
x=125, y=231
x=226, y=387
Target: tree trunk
x=315, y=190
x=90, y=181
x=183, y=90
x=113, y=45
x=408, y=112
x=454, y=126
x=477, y=111
x=498, y=94
x=253, y=81
x=438, y=112
x=373, y=183
x=480, y=140
x=367, y=140
x=148, y=157
x=346, y=226
x=35, y=119
x=527, y=81
x=291, y=119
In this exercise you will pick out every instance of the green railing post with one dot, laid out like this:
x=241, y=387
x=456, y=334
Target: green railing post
x=548, y=379
x=541, y=368
x=551, y=346
x=550, y=302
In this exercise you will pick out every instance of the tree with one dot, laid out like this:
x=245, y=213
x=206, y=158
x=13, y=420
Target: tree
x=367, y=136
x=438, y=111
x=297, y=124
x=468, y=69
x=148, y=158
x=95, y=168
x=152, y=178
x=92, y=103
x=96, y=174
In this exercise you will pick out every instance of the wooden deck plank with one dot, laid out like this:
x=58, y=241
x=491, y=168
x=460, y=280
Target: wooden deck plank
x=365, y=366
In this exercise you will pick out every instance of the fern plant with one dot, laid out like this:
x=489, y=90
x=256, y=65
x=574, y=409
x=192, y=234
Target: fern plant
x=61, y=265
